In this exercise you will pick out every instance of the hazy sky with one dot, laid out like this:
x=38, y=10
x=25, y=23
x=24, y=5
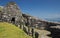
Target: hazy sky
x=39, y=8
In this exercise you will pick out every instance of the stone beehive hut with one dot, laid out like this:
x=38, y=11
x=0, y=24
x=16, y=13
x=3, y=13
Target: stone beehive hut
x=11, y=13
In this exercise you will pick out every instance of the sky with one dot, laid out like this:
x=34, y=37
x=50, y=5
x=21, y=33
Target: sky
x=39, y=8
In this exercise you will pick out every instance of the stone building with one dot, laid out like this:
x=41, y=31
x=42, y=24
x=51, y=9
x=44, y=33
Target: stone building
x=12, y=13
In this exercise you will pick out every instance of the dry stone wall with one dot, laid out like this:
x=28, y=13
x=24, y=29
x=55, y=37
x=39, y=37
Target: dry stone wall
x=12, y=13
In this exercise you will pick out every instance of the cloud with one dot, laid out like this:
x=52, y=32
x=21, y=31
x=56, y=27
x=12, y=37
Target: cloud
x=53, y=16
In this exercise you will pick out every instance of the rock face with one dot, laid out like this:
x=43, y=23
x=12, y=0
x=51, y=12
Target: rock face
x=11, y=12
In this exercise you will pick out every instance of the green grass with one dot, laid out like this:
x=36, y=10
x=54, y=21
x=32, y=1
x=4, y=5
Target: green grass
x=8, y=30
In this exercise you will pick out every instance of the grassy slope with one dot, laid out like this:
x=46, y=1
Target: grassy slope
x=10, y=31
